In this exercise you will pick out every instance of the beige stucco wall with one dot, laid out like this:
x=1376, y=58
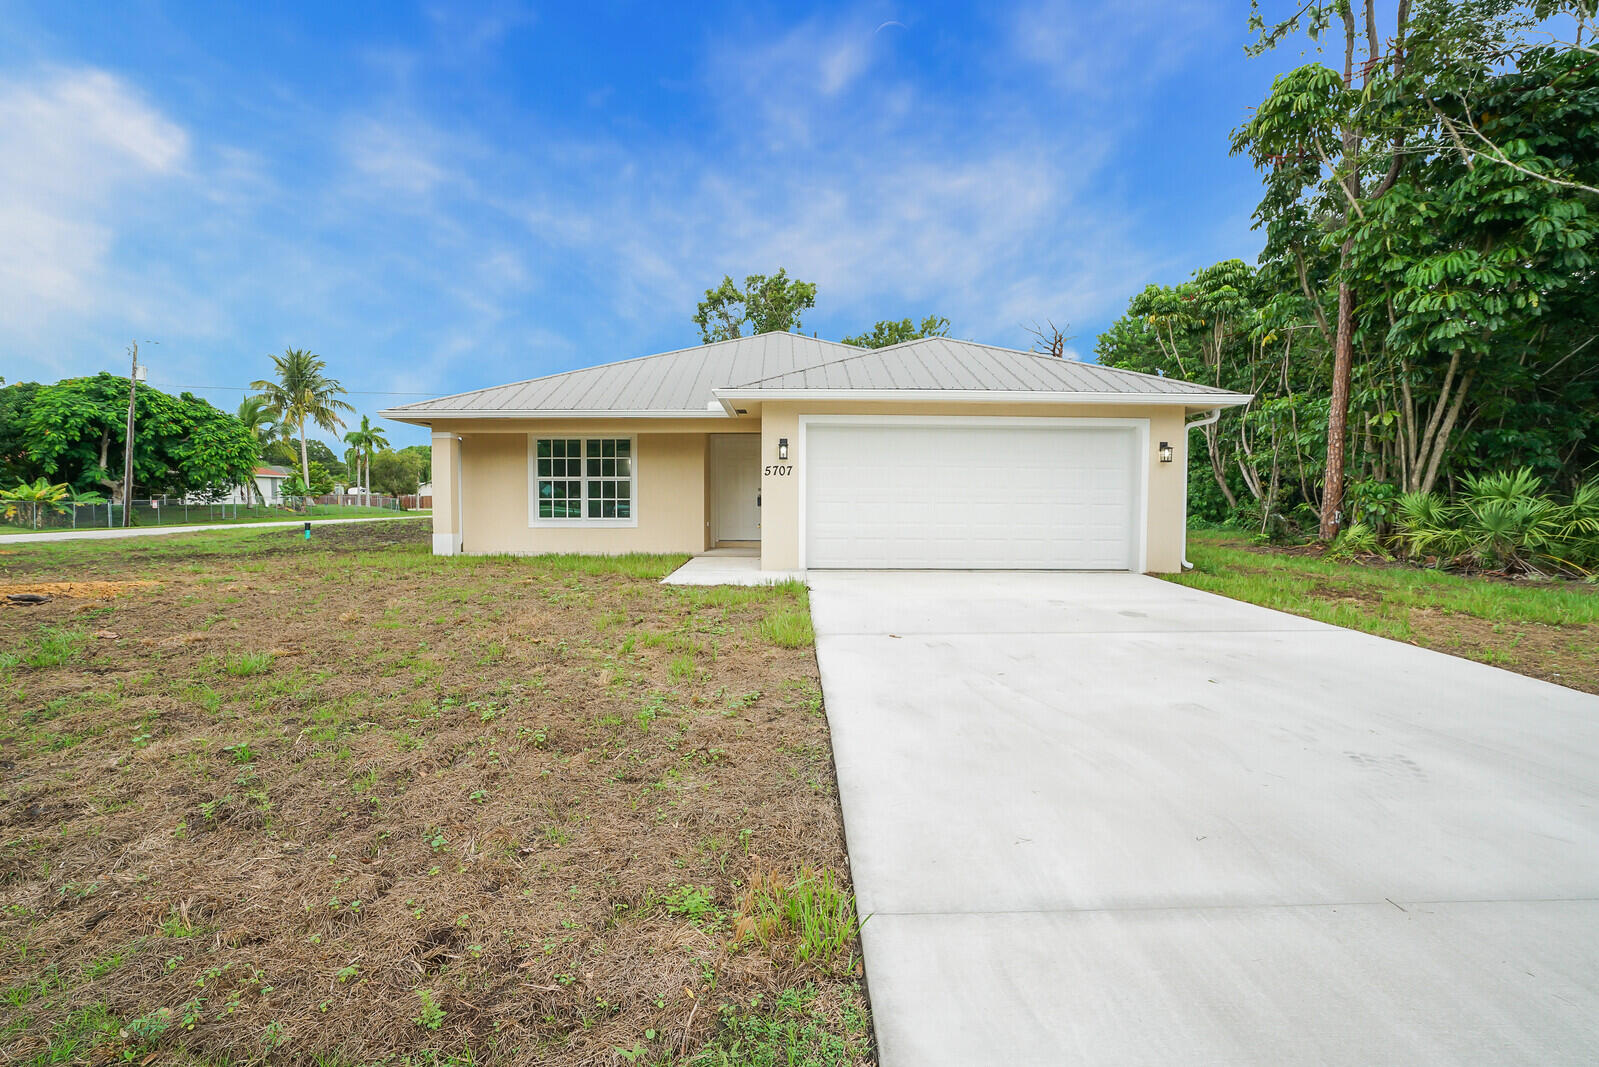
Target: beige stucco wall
x=674, y=487
x=495, y=490
x=780, y=531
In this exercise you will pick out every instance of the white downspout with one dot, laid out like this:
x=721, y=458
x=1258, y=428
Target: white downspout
x=1215, y=413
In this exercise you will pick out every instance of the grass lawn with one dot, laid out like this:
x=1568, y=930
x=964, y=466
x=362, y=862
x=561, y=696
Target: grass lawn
x=246, y=516
x=1546, y=630
x=344, y=802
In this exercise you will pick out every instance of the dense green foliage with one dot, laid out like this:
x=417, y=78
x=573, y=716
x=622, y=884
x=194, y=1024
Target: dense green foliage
x=424, y=457
x=73, y=432
x=763, y=305
x=396, y=473
x=889, y=332
x=1433, y=211
x=16, y=462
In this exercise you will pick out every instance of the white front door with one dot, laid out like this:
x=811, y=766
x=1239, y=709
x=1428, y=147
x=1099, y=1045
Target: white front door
x=974, y=493
x=735, y=487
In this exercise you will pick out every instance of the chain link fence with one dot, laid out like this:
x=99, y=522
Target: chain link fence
x=174, y=511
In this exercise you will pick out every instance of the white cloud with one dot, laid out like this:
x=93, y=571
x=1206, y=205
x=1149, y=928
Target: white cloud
x=791, y=84
x=396, y=155
x=1110, y=48
x=77, y=149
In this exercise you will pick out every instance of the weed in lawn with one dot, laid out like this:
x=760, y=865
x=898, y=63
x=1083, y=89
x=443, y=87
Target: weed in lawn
x=682, y=668
x=56, y=647
x=804, y=1025
x=431, y=1016
x=788, y=628
x=813, y=909
x=247, y=664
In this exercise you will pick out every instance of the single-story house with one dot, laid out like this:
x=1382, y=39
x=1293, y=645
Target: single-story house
x=934, y=453
x=269, y=479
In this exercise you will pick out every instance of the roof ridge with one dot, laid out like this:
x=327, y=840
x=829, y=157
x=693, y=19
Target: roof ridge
x=1041, y=355
x=613, y=363
x=975, y=344
x=863, y=351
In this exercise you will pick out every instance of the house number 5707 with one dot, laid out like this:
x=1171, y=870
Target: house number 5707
x=779, y=470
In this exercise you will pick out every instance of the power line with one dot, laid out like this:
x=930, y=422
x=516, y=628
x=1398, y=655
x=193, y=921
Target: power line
x=245, y=389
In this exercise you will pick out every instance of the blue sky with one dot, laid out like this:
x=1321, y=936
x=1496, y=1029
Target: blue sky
x=438, y=197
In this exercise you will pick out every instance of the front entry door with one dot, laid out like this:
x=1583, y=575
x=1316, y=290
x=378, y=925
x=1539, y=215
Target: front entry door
x=736, y=486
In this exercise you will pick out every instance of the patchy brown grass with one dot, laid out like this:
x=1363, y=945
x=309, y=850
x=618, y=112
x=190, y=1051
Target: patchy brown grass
x=341, y=798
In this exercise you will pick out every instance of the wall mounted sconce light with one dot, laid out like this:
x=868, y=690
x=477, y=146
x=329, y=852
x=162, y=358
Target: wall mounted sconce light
x=1165, y=451
x=782, y=448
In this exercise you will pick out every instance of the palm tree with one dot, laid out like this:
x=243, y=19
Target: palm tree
x=258, y=417
x=303, y=392
x=365, y=441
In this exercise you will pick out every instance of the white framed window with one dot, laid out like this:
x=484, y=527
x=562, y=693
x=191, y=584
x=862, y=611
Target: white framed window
x=587, y=481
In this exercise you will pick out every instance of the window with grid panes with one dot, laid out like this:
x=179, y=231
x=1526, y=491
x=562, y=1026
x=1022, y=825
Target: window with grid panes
x=585, y=477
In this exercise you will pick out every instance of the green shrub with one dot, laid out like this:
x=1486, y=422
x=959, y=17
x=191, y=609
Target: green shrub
x=1505, y=521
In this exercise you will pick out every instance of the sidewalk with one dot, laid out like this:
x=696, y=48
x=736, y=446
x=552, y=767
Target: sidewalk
x=155, y=531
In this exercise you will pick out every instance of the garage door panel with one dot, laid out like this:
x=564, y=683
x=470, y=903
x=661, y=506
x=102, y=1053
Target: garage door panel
x=947, y=495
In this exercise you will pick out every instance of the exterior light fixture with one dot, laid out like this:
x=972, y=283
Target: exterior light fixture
x=1165, y=451
x=782, y=448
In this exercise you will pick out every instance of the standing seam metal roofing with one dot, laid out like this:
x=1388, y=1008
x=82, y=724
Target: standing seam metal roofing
x=686, y=381
x=940, y=363
x=678, y=381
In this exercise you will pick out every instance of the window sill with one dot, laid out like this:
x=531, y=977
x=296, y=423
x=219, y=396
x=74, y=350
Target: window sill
x=582, y=524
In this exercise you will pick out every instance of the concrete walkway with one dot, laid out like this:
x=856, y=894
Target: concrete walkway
x=728, y=566
x=158, y=531
x=1102, y=818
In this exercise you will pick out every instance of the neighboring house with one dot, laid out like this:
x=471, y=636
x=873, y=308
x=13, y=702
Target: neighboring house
x=268, y=478
x=934, y=453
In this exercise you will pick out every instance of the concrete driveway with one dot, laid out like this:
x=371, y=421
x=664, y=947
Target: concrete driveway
x=1101, y=818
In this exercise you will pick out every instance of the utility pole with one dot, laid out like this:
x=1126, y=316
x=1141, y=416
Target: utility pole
x=135, y=376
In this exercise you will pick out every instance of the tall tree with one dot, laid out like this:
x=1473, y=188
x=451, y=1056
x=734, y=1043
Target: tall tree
x=365, y=440
x=1310, y=131
x=256, y=416
x=302, y=392
x=765, y=304
x=889, y=332
x=76, y=428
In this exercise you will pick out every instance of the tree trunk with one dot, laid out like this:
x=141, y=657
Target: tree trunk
x=1444, y=431
x=1218, y=468
x=1332, y=500
x=305, y=464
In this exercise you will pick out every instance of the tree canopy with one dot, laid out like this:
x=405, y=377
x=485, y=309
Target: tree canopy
x=889, y=332
x=1426, y=307
x=396, y=473
x=764, y=304
x=74, y=432
x=302, y=392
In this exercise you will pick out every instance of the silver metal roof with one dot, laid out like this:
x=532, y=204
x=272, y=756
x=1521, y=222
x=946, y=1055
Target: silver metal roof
x=946, y=364
x=692, y=381
x=669, y=383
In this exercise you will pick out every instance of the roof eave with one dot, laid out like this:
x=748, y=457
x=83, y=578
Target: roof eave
x=728, y=397
x=424, y=418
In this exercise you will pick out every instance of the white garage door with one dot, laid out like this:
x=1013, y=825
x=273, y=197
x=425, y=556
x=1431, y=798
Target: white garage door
x=972, y=494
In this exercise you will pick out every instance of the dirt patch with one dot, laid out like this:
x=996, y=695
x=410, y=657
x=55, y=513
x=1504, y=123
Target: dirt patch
x=346, y=798
x=1565, y=655
x=78, y=590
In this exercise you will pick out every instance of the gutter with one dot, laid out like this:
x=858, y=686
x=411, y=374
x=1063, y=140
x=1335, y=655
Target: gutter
x=1208, y=420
